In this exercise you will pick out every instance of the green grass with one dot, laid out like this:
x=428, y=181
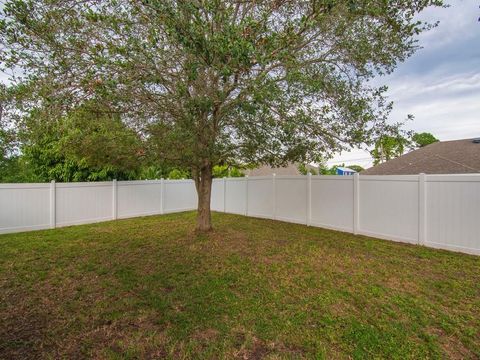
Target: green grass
x=152, y=288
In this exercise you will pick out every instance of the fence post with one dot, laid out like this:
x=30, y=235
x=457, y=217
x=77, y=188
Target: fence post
x=53, y=200
x=224, y=194
x=274, y=196
x=246, y=195
x=309, y=198
x=356, y=202
x=422, y=209
x=114, y=199
x=162, y=195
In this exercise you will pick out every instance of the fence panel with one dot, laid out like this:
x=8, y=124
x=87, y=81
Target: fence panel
x=24, y=207
x=291, y=198
x=332, y=202
x=217, y=195
x=389, y=207
x=139, y=198
x=236, y=195
x=180, y=195
x=81, y=203
x=260, y=196
x=453, y=212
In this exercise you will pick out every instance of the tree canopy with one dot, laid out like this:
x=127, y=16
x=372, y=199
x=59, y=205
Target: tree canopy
x=423, y=139
x=82, y=145
x=214, y=82
x=388, y=147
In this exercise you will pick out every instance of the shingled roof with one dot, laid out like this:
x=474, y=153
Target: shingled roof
x=445, y=157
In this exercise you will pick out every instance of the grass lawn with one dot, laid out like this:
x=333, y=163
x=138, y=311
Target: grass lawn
x=151, y=288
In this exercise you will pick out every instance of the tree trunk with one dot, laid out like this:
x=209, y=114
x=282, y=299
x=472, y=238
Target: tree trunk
x=203, y=183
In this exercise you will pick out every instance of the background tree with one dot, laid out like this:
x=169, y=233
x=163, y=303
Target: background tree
x=215, y=82
x=330, y=171
x=388, y=147
x=177, y=174
x=12, y=168
x=220, y=171
x=305, y=169
x=161, y=170
x=84, y=145
x=423, y=139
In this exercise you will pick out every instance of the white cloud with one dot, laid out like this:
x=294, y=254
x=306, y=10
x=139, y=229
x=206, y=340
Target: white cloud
x=440, y=84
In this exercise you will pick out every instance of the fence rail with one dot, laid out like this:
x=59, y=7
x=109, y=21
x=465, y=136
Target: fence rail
x=441, y=211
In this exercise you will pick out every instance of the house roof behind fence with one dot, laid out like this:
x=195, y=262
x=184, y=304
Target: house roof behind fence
x=445, y=157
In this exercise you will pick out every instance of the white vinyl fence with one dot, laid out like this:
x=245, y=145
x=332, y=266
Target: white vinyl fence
x=441, y=211
x=26, y=207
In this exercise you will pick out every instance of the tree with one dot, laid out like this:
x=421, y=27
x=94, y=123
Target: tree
x=177, y=174
x=84, y=145
x=215, y=82
x=306, y=169
x=159, y=171
x=220, y=171
x=388, y=147
x=5, y=146
x=423, y=139
x=12, y=169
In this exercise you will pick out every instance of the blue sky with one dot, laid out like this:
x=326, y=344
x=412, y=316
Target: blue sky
x=440, y=83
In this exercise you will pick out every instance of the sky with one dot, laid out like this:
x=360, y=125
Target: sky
x=440, y=83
